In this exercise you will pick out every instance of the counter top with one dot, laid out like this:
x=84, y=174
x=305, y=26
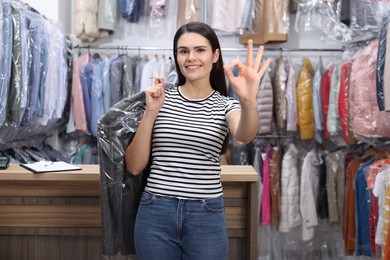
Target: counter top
x=18, y=181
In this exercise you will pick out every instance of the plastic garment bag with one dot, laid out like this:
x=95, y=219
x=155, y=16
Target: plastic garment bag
x=280, y=84
x=305, y=100
x=265, y=104
x=120, y=190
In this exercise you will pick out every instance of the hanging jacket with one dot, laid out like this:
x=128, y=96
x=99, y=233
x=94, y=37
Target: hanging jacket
x=265, y=104
x=343, y=101
x=274, y=172
x=305, y=100
x=366, y=119
x=308, y=195
x=333, y=120
x=381, y=60
x=325, y=89
x=280, y=104
x=120, y=190
x=317, y=104
x=266, y=195
x=289, y=191
x=291, y=96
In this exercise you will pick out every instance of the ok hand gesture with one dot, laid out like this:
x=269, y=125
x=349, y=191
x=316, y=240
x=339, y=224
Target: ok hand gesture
x=246, y=84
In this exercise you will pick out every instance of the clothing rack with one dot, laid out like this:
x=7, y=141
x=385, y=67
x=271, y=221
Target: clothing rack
x=145, y=48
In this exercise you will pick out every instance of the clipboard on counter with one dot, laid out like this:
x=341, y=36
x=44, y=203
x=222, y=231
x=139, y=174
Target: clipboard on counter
x=50, y=166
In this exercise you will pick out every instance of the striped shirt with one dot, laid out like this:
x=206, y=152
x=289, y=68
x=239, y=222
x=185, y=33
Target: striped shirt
x=187, y=142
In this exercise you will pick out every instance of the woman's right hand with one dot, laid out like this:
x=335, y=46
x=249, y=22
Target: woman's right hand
x=155, y=96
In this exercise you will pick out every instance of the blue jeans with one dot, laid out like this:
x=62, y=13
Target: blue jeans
x=171, y=229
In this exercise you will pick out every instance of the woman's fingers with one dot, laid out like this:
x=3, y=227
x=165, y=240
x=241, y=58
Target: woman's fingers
x=259, y=56
x=158, y=80
x=264, y=67
x=249, y=53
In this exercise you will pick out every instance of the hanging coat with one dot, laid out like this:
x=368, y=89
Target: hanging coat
x=305, y=100
x=280, y=104
x=265, y=104
x=366, y=119
x=290, y=215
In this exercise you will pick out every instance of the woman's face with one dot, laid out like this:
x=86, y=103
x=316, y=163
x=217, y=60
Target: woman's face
x=195, y=56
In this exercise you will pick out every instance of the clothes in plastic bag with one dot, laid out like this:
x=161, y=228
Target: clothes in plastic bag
x=366, y=119
x=305, y=100
x=280, y=103
x=380, y=65
x=271, y=21
x=265, y=104
x=120, y=190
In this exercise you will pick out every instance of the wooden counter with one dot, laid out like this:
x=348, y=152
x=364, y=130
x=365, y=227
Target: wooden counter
x=57, y=215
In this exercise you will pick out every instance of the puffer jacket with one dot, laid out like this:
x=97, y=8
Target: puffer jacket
x=265, y=104
x=280, y=102
x=305, y=100
x=291, y=96
x=366, y=119
x=289, y=191
x=343, y=100
x=325, y=90
x=333, y=120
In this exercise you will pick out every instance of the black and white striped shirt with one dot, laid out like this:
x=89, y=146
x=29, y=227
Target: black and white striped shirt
x=187, y=141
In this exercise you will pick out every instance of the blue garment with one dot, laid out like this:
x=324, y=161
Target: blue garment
x=15, y=89
x=97, y=102
x=116, y=74
x=131, y=10
x=42, y=77
x=24, y=97
x=230, y=90
x=34, y=27
x=362, y=212
x=86, y=76
x=380, y=65
x=169, y=228
x=6, y=58
x=106, y=84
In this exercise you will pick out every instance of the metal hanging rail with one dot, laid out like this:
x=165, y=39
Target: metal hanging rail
x=144, y=48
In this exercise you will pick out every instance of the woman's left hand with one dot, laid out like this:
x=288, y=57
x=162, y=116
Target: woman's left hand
x=246, y=84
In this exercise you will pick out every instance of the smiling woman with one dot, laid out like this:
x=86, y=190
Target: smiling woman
x=184, y=128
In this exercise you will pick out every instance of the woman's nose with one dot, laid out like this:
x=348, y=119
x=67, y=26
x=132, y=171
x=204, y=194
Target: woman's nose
x=191, y=54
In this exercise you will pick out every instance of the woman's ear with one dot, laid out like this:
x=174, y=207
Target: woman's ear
x=216, y=55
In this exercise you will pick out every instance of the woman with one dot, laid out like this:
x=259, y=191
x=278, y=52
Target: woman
x=181, y=213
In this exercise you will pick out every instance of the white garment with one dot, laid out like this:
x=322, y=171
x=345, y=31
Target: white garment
x=379, y=191
x=150, y=70
x=289, y=184
x=227, y=15
x=309, y=183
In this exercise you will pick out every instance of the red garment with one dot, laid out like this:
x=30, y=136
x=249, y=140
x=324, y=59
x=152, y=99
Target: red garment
x=266, y=195
x=374, y=215
x=343, y=98
x=325, y=90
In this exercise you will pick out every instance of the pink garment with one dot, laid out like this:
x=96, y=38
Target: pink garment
x=80, y=121
x=366, y=119
x=266, y=196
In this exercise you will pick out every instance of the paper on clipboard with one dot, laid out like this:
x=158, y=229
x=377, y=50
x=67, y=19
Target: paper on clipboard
x=49, y=166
